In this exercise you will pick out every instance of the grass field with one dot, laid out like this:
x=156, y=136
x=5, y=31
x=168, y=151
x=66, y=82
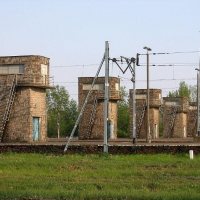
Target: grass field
x=102, y=176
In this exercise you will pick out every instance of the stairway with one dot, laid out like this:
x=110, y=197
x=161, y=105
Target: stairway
x=7, y=95
x=172, y=121
x=93, y=113
x=194, y=124
x=141, y=119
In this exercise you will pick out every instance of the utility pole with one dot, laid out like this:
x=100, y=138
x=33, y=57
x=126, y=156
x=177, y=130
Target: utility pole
x=134, y=107
x=148, y=136
x=198, y=99
x=106, y=96
x=132, y=70
x=58, y=124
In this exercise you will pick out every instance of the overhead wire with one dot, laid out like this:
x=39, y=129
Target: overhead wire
x=170, y=64
x=74, y=65
x=176, y=52
x=123, y=79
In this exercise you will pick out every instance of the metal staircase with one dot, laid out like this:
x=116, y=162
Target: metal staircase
x=92, y=117
x=141, y=118
x=7, y=99
x=172, y=121
x=193, y=125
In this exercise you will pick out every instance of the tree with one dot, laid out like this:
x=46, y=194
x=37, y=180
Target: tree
x=183, y=91
x=62, y=112
x=193, y=93
x=123, y=115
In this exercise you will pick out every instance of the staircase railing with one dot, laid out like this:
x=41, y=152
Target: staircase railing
x=8, y=107
x=92, y=117
x=141, y=118
x=172, y=121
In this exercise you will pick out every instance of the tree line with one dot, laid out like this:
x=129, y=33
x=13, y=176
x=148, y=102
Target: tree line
x=62, y=111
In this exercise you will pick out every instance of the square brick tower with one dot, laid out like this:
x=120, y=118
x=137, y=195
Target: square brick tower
x=192, y=119
x=155, y=100
x=175, y=117
x=23, y=84
x=91, y=125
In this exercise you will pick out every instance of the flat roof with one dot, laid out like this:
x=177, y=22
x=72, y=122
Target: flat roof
x=24, y=56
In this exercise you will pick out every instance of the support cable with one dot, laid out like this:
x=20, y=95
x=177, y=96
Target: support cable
x=84, y=105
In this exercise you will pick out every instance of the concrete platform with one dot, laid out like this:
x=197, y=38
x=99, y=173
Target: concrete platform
x=118, y=146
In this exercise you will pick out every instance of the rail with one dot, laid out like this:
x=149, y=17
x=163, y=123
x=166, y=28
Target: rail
x=180, y=108
x=34, y=79
x=113, y=94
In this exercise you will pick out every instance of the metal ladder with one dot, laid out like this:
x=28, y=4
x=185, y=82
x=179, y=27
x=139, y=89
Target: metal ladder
x=172, y=121
x=93, y=113
x=7, y=112
x=141, y=118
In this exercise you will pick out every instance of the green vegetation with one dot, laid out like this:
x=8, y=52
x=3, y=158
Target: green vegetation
x=185, y=91
x=123, y=115
x=101, y=176
x=62, y=112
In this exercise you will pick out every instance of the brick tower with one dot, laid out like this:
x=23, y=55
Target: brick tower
x=175, y=117
x=192, y=120
x=91, y=125
x=23, y=84
x=155, y=100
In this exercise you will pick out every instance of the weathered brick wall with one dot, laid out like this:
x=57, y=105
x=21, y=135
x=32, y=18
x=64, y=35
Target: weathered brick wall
x=28, y=103
x=180, y=131
x=38, y=109
x=32, y=69
x=31, y=63
x=154, y=104
x=192, y=119
x=180, y=121
x=154, y=122
x=18, y=127
x=93, y=128
x=30, y=97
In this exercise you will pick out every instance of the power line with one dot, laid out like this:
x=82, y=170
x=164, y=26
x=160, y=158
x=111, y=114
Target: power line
x=129, y=80
x=66, y=82
x=169, y=64
x=174, y=79
x=75, y=65
x=176, y=52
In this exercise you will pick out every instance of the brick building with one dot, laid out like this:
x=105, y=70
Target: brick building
x=155, y=100
x=175, y=117
x=23, y=84
x=192, y=119
x=91, y=125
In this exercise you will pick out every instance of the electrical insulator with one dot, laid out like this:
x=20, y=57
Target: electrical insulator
x=137, y=59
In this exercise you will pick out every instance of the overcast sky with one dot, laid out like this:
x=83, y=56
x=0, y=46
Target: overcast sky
x=72, y=33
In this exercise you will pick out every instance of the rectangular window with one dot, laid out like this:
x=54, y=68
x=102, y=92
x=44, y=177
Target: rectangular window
x=172, y=103
x=192, y=107
x=141, y=96
x=117, y=86
x=11, y=69
x=95, y=87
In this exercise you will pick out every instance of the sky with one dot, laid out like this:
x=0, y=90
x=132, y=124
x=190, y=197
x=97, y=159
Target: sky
x=72, y=33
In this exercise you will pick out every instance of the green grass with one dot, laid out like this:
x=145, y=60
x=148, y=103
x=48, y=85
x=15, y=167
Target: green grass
x=103, y=176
